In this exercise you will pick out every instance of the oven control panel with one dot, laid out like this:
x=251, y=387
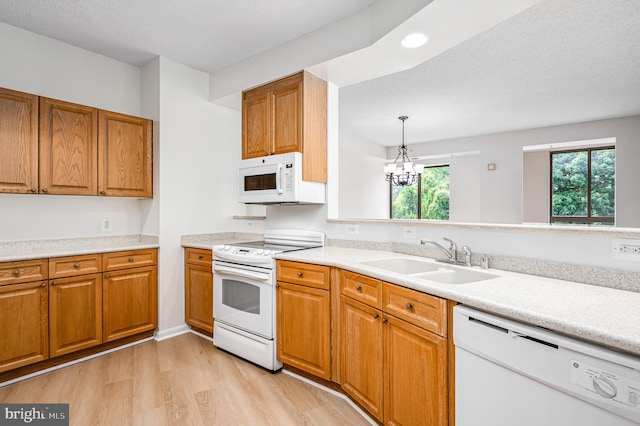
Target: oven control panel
x=242, y=251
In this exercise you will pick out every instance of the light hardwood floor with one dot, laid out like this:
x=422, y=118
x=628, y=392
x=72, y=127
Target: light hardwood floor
x=180, y=381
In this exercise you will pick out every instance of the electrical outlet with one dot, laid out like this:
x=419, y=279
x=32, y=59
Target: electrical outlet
x=352, y=229
x=106, y=225
x=251, y=224
x=625, y=249
x=408, y=232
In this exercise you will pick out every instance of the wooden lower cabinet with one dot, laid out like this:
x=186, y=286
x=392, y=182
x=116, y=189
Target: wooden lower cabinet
x=198, y=288
x=415, y=375
x=75, y=313
x=24, y=331
x=303, y=328
x=361, y=354
x=130, y=298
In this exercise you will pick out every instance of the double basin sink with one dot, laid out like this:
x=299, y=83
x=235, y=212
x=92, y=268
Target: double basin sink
x=427, y=270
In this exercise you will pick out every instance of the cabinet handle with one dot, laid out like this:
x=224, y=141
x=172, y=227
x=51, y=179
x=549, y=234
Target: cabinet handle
x=384, y=320
x=410, y=306
x=130, y=259
x=16, y=273
x=102, y=192
x=45, y=190
x=44, y=284
x=376, y=316
x=200, y=257
x=54, y=283
x=76, y=265
x=359, y=289
x=33, y=190
x=300, y=274
x=107, y=276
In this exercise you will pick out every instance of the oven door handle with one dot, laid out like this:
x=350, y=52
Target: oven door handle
x=241, y=273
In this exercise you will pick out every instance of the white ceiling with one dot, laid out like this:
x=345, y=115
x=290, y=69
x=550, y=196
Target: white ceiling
x=204, y=34
x=558, y=62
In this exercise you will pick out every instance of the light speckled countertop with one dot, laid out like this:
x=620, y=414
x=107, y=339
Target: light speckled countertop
x=41, y=249
x=603, y=315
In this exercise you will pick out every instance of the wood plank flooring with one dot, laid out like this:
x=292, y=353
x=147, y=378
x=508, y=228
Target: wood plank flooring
x=180, y=381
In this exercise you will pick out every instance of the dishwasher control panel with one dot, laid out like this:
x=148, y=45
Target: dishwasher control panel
x=605, y=386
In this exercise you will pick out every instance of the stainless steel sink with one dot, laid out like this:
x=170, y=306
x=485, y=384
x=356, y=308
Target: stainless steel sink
x=455, y=276
x=403, y=265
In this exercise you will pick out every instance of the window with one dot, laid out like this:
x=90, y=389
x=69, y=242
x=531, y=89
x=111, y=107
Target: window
x=583, y=186
x=428, y=199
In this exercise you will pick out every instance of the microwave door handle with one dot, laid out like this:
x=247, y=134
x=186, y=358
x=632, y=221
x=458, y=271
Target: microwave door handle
x=279, y=176
x=241, y=273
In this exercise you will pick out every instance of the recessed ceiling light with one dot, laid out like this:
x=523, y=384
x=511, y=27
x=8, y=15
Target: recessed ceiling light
x=413, y=40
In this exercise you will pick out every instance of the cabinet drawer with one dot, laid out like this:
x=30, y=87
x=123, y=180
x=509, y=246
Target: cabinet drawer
x=75, y=265
x=23, y=271
x=362, y=288
x=129, y=259
x=198, y=256
x=423, y=310
x=306, y=274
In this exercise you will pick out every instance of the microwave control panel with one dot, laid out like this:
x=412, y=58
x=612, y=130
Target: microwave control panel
x=288, y=172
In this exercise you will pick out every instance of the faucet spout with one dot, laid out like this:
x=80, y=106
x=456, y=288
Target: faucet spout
x=450, y=253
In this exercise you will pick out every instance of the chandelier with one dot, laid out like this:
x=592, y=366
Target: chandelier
x=402, y=171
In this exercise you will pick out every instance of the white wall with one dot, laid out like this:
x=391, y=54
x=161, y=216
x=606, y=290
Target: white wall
x=362, y=192
x=536, y=187
x=198, y=145
x=42, y=66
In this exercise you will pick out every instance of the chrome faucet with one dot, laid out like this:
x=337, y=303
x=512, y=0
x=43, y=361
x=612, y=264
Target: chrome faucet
x=451, y=252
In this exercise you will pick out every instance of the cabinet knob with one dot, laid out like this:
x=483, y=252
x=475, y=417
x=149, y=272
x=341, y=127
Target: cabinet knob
x=107, y=276
x=130, y=259
x=45, y=190
x=54, y=283
x=16, y=272
x=300, y=274
x=76, y=265
x=200, y=257
x=410, y=306
x=376, y=316
x=33, y=190
x=384, y=320
x=44, y=284
x=102, y=192
x=359, y=289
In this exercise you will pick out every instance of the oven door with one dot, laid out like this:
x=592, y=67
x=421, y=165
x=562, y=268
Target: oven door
x=244, y=298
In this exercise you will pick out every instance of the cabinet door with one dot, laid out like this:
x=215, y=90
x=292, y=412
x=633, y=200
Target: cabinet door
x=303, y=327
x=125, y=155
x=257, y=126
x=68, y=148
x=130, y=302
x=18, y=142
x=198, y=288
x=23, y=324
x=415, y=375
x=361, y=354
x=75, y=313
x=287, y=119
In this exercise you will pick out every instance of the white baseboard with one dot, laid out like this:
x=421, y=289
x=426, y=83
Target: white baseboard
x=171, y=332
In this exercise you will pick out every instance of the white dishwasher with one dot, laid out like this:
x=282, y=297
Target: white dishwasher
x=509, y=373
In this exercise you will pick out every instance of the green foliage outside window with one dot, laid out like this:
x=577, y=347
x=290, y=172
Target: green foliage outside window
x=576, y=195
x=434, y=199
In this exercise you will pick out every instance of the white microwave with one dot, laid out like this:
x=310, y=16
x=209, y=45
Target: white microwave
x=277, y=179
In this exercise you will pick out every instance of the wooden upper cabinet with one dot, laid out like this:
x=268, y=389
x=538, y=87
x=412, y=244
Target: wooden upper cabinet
x=68, y=148
x=288, y=115
x=125, y=162
x=18, y=142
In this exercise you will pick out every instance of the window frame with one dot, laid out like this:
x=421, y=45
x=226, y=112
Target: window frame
x=588, y=219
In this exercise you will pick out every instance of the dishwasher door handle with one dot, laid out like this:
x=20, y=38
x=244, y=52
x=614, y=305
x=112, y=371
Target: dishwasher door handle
x=515, y=335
